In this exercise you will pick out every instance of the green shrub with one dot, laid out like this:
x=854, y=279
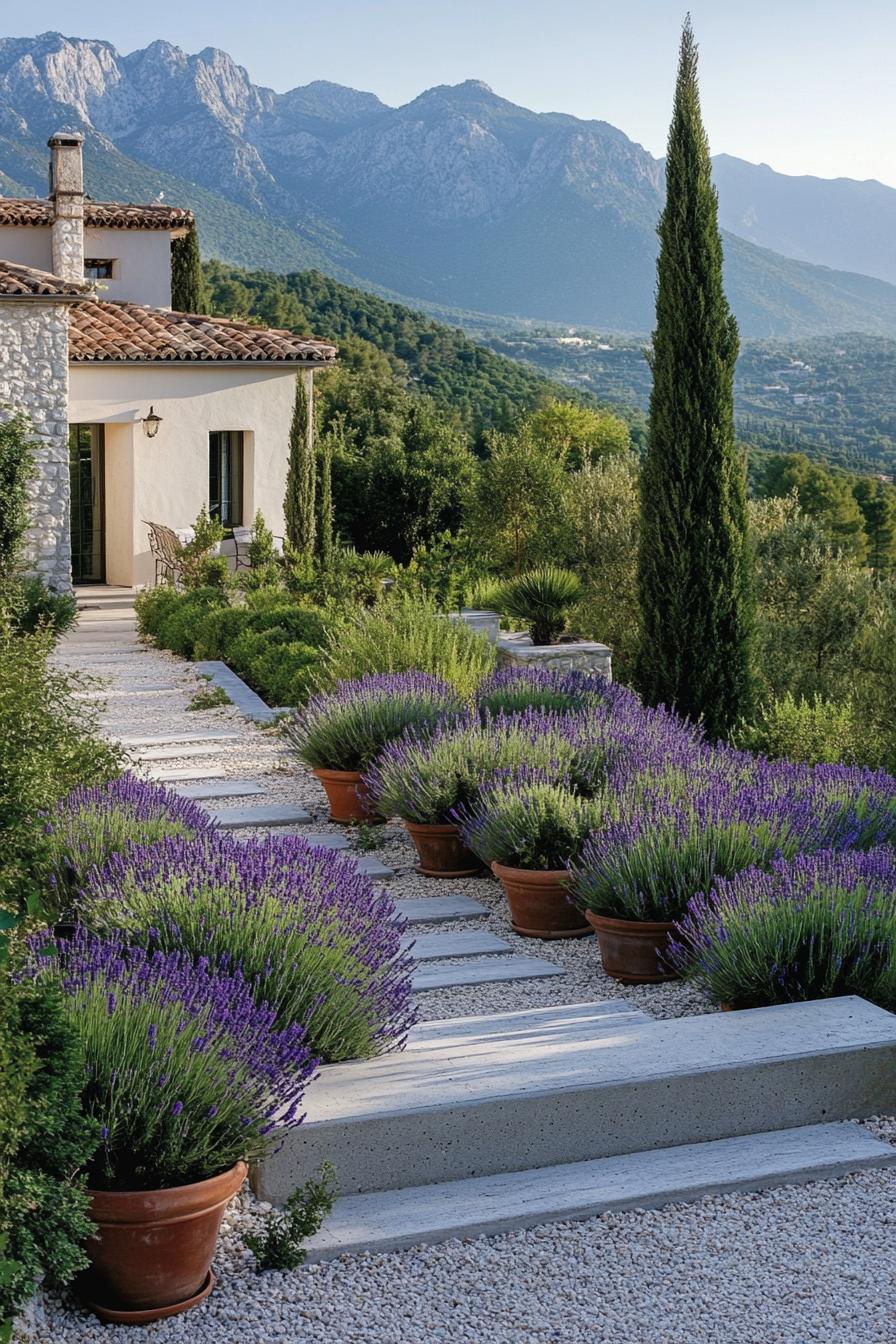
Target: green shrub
x=404, y=634
x=279, y=1244
x=200, y=566
x=179, y=623
x=814, y=731
x=16, y=469
x=265, y=610
x=542, y=598
x=48, y=747
x=28, y=605
x=283, y=672
x=45, y=1140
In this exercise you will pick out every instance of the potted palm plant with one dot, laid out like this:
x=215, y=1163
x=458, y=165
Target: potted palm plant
x=187, y=1077
x=340, y=732
x=528, y=826
x=541, y=597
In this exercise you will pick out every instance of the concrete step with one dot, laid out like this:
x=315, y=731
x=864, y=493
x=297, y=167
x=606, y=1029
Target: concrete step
x=117, y=693
x=489, y=971
x=164, y=739
x=327, y=839
x=372, y=867
x=433, y=946
x=586, y=1083
x=392, y=1219
x=219, y=788
x=439, y=909
x=189, y=752
x=276, y=815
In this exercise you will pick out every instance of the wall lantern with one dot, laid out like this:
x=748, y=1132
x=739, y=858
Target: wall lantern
x=151, y=423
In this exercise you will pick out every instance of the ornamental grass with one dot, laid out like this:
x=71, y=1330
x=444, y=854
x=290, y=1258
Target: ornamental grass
x=811, y=927
x=313, y=936
x=345, y=728
x=91, y=824
x=524, y=819
x=186, y=1071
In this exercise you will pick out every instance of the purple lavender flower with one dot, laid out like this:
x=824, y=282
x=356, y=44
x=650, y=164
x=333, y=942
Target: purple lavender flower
x=344, y=729
x=313, y=935
x=211, y=1108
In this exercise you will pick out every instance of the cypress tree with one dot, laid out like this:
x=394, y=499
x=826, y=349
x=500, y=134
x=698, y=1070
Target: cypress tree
x=301, y=477
x=325, y=545
x=188, y=291
x=694, y=571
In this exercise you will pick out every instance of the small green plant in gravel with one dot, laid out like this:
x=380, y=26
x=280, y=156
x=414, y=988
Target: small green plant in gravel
x=365, y=837
x=209, y=697
x=280, y=1243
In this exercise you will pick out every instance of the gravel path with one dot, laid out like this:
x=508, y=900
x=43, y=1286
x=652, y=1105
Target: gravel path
x=791, y=1265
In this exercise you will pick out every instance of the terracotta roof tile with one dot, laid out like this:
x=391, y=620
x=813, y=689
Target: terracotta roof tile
x=106, y=332
x=25, y=282
x=98, y=214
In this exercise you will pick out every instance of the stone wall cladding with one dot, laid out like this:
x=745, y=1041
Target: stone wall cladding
x=68, y=245
x=584, y=657
x=34, y=380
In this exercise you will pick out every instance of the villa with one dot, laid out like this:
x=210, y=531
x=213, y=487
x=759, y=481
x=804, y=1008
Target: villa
x=144, y=414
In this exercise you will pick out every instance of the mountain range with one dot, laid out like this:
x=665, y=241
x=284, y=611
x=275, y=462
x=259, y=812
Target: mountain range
x=458, y=200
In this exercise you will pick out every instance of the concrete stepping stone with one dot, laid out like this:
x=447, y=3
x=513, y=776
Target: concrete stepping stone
x=438, y=946
x=438, y=909
x=373, y=868
x=485, y=973
x=163, y=739
x=221, y=788
x=185, y=753
x=275, y=815
x=505, y=1095
x=161, y=776
x=118, y=694
x=326, y=840
x=487, y=1205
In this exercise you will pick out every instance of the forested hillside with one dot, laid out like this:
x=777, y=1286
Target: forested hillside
x=484, y=389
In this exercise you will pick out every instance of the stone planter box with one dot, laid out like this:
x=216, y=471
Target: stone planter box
x=486, y=623
x=587, y=656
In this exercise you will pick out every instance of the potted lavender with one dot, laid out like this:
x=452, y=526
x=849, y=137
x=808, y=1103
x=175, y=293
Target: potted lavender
x=528, y=826
x=340, y=732
x=426, y=779
x=187, y=1077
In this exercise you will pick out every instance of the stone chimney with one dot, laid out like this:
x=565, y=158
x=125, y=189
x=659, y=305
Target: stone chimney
x=67, y=197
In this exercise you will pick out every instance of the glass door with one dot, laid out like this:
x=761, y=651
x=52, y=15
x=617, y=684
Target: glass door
x=85, y=456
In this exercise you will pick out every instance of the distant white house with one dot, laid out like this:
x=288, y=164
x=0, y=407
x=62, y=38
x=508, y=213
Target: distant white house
x=144, y=414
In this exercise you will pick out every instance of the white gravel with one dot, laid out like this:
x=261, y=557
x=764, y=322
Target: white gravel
x=786, y=1266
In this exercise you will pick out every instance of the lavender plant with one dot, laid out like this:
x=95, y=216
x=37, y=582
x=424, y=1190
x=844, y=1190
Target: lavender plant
x=93, y=823
x=427, y=778
x=186, y=1073
x=344, y=729
x=314, y=937
x=812, y=927
x=512, y=689
x=526, y=820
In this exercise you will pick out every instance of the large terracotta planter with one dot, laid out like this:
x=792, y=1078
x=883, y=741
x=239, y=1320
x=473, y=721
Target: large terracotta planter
x=441, y=851
x=347, y=803
x=539, y=905
x=630, y=948
x=153, y=1250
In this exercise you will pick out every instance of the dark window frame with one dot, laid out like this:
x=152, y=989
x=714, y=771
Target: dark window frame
x=99, y=268
x=226, y=468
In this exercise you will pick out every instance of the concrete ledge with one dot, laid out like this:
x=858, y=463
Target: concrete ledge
x=567, y=1092
x=584, y=657
x=427, y=1214
x=246, y=700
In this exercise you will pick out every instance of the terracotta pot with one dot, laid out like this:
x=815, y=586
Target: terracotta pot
x=441, y=851
x=630, y=948
x=539, y=906
x=153, y=1249
x=346, y=803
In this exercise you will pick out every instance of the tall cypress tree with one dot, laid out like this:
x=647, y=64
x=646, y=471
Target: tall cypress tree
x=301, y=482
x=188, y=290
x=694, y=571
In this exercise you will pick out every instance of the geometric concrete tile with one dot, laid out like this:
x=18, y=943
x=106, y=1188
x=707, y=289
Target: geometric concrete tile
x=223, y=788
x=432, y=946
x=277, y=814
x=485, y=973
x=438, y=909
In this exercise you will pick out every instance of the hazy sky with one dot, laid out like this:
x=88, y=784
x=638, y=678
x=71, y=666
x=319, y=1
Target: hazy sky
x=805, y=85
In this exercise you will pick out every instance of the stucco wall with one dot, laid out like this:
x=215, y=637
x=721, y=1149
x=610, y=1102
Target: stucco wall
x=143, y=257
x=34, y=379
x=165, y=479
